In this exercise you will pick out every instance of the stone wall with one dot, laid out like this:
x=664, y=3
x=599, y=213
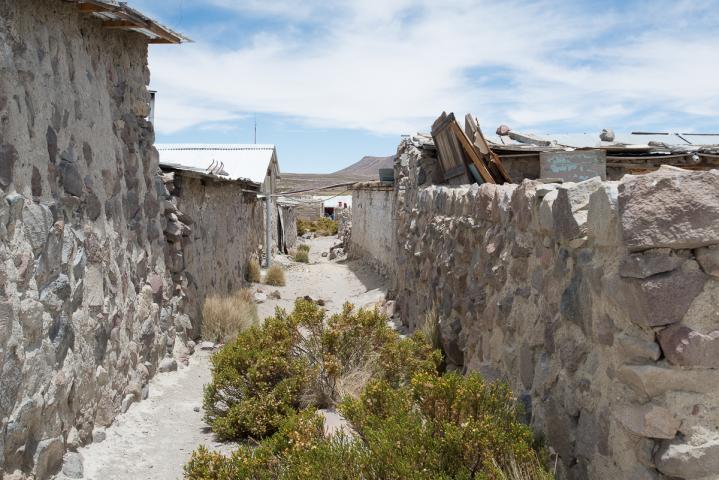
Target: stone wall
x=596, y=301
x=219, y=230
x=87, y=307
x=372, y=238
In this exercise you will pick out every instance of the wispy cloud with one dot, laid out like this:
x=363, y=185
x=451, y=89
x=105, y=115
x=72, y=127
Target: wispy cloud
x=391, y=66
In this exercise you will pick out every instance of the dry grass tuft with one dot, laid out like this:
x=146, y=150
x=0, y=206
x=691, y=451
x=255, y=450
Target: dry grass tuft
x=352, y=383
x=301, y=256
x=275, y=276
x=430, y=328
x=253, y=271
x=303, y=247
x=224, y=317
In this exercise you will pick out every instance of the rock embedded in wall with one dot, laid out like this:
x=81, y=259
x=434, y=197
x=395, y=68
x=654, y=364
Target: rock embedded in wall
x=656, y=210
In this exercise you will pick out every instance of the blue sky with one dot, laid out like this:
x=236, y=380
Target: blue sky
x=331, y=81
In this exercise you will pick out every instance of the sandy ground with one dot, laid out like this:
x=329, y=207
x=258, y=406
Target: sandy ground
x=155, y=438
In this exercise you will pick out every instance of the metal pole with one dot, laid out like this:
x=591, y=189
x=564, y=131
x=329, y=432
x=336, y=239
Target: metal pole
x=268, y=232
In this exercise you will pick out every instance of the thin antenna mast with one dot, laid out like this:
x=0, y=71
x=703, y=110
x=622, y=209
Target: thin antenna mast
x=255, y=128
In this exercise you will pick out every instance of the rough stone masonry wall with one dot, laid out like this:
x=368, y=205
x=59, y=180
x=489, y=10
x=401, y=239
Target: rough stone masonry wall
x=373, y=238
x=87, y=311
x=598, y=302
x=225, y=230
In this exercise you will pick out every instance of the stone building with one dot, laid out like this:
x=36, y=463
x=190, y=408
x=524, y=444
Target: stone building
x=215, y=227
x=253, y=162
x=223, y=190
x=88, y=308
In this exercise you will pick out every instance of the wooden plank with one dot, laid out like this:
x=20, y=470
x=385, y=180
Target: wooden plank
x=130, y=19
x=122, y=24
x=491, y=159
x=456, y=172
x=451, y=157
x=88, y=8
x=473, y=155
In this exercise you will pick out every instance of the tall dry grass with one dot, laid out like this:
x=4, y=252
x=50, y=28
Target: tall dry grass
x=275, y=276
x=301, y=256
x=225, y=317
x=253, y=271
x=430, y=328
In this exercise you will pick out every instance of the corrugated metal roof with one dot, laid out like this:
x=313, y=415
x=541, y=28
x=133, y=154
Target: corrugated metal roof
x=635, y=141
x=117, y=15
x=239, y=161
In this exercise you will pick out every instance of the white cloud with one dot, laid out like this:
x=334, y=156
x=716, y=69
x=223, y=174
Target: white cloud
x=392, y=66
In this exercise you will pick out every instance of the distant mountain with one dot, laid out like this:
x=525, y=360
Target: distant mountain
x=362, y=171
x=367, y=167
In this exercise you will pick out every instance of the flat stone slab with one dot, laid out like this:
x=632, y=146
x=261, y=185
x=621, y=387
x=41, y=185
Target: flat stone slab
x=670, y=208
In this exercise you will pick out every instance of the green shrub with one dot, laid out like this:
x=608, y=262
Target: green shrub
x=254, y=273
x=224, y=317
x=256, y=381
x=436, y=427
x=275, y=276
x=324, y=227
x=446, y=426
x=303, y=247
x=407, y=420
x=305, y=359
x=301, y=256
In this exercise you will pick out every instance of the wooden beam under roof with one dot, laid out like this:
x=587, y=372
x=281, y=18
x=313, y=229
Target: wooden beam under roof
x=122, y=24
x=91, y=8
x=129, y=19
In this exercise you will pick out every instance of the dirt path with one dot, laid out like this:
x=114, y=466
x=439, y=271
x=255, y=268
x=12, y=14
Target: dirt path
x=154, y=439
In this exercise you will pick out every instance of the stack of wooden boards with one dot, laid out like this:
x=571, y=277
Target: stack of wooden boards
x=465, y=156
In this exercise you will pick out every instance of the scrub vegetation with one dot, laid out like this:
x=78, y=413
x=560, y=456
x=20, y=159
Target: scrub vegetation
x=406, y=418
x=323, y=227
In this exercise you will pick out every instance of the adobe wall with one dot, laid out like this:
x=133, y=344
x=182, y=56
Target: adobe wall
x=88, y=309
x=596, y=301
x=373, y=238
x=218, y=229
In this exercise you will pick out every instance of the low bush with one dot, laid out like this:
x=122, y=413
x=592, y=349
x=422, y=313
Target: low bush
x=254, y=273
x=224, y=317
x=449, y=426
x=256, y=381
x=301, y=256
x=324, y=227
x=275, y=276
x=326, y=358
x=303, y=247
x=407, y=419
x=436, y=427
